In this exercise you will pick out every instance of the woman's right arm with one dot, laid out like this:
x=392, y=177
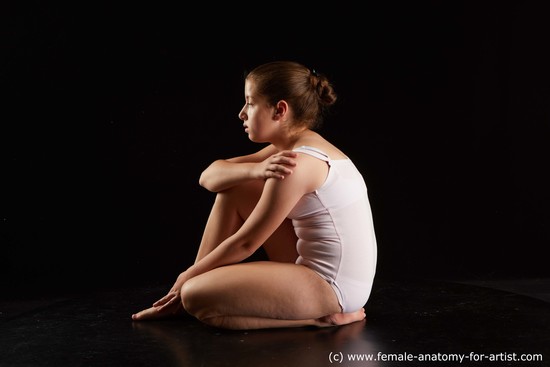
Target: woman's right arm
x=223, y=174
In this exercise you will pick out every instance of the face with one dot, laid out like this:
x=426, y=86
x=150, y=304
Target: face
x=256, y=115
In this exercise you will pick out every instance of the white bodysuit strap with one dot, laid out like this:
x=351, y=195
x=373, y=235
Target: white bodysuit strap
x=314, y=152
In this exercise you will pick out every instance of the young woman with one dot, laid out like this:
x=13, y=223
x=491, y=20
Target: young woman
x=299, y=197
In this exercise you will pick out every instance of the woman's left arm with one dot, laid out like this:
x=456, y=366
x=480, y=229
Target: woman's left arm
x=277, y=200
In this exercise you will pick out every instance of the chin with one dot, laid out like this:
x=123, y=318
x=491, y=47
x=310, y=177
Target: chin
x=253, y=139
x=258, y=140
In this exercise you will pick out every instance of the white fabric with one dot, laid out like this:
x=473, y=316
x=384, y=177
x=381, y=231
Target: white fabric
x=335, y=231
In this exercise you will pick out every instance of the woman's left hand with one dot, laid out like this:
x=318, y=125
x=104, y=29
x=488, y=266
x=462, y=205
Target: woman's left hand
x=168, y=306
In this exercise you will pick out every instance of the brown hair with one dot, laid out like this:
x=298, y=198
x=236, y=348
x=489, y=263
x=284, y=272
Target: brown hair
x=307, y=92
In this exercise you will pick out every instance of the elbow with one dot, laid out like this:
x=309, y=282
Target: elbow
x=248, y=249
x=244, y=245
x=208, y=180
x=207, y=184
x=203, y=181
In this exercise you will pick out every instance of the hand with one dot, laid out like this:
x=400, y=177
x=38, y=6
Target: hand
x=278, y=165
x=168, y=306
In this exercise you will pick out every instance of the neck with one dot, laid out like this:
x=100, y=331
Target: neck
x=290, y=140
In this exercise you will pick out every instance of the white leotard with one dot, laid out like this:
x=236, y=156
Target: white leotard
x=335, y=231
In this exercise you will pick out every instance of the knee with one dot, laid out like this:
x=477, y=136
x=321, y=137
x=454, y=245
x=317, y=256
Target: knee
x=194, y=299
x=189, y=297
x=243, y=197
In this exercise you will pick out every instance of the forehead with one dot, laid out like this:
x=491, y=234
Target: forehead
x=249, y=88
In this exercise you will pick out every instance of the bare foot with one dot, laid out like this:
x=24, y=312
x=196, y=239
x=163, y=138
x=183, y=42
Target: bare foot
x=341, y=318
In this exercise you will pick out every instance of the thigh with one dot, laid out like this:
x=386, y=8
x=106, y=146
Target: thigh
x=281, y=245
x=260, y=289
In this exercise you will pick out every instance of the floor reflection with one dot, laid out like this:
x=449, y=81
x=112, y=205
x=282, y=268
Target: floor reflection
x=192, y=344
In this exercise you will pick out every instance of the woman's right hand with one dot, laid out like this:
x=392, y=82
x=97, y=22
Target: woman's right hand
x=277, y=165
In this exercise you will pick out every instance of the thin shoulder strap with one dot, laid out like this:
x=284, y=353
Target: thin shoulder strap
x=314, y=152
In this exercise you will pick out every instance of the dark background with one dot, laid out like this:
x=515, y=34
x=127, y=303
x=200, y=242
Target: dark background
x=111, y=113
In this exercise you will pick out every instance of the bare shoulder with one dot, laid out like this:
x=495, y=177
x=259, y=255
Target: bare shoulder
x=334, y=152
x=317, y=141
x=309, y=171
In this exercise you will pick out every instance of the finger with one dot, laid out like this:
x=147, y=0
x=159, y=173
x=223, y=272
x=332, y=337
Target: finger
x=289, y=153
x=164, y=299
x=275, y=176
x=288, y=161
x=170, y=308
x=278, y=168
x=278, y=171
x=169, y=302
x=284, y=170
x=284, y=157
x=160, y=302
x=147, y=314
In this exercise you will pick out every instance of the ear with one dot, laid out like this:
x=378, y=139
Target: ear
x=281, y=109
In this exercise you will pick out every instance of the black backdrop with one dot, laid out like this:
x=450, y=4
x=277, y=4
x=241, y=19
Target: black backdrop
x=111, y=113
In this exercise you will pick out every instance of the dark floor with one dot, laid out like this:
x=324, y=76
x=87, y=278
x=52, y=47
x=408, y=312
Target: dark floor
x=432, y=323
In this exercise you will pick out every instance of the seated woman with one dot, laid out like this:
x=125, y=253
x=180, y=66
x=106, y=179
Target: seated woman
x=299, y=197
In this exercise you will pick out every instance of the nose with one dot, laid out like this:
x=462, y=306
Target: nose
x=242, y=114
